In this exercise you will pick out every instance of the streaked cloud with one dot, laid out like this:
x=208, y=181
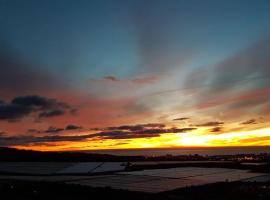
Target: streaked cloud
x=214, y=123
x=251, y=121
x=181, y=119
x=103, y=135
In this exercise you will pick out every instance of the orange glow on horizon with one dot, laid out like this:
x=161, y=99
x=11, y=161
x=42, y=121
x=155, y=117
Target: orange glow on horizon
x=197, y=138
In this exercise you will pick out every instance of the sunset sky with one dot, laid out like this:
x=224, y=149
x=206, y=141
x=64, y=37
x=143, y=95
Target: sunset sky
x=120, y=74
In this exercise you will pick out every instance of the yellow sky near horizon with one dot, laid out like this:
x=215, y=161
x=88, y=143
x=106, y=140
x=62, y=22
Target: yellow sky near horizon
x=196, y=138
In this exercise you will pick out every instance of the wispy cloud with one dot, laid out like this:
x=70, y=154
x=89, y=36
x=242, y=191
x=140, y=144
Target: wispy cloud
x=251, y=121
x=214, y=123
x=181, y=119
x=137, y=81
x=238, y=82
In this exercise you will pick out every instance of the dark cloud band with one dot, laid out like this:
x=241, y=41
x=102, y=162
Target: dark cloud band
x=23, y=106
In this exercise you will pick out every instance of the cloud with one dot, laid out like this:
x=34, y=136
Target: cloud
x=215, y=123
x=124, y=135
x=181, y=119
x=51, y=113
x=23, y=106
x=111, y=78
x=126, y=127
x=72, y=127
x=248, y=122
x=216, y=129
x=182, y=130
x=144, y=133
x=115, y=87
x=153, y=125
x=143, y=80
x=241, y=100
x=137, y=127
x=245, y=64
x=238, y=82
x=13, y=111
x=138, y=131
x=52, y=129
x=102, y=135
x=39, y=101
x=27, y=140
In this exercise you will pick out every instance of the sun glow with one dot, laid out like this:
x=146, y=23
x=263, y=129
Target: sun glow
x=197, y=138
x=255, y=137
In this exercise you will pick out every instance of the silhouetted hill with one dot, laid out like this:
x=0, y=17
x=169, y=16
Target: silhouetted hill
x=12, y=154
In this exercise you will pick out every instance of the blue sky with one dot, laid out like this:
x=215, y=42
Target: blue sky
x=99, y=38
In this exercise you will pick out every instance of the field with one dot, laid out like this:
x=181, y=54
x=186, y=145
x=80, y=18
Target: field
x=114, y=175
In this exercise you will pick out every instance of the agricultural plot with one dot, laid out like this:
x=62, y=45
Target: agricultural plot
x=142, y=163
x=42, y=168
x=110, y=166
x=160, y=180
x=49, y=168
x=155, y=180
x=183, y=172
x=260, y=179
x=80, y=168
x=93, y=167
x=138, y=183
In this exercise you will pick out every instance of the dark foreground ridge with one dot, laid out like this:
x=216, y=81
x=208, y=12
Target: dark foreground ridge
x=12, y=154
x=43, y=191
